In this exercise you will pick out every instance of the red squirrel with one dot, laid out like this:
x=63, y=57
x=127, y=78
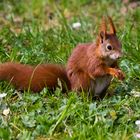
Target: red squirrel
x=91, y=66
x=34, y=78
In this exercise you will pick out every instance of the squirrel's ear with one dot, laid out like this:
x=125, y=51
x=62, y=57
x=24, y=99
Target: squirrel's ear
x=112, y=27
x=103, y=27
x=102, y=32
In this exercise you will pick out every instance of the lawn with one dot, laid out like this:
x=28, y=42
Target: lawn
x=41, y=31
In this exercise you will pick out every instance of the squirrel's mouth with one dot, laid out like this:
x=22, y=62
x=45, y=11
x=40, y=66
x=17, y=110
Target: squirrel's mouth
x=115, y=56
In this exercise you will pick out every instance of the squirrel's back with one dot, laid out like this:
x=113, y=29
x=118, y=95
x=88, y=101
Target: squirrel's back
x=79, y=58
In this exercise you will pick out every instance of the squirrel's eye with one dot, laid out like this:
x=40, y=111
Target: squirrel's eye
x=109, y=47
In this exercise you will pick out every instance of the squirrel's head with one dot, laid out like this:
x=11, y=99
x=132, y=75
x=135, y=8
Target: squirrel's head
x=109, y=46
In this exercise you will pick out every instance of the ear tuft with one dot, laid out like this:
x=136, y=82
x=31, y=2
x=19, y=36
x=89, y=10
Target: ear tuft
x=112, y=27
x=103, y=27
x=102, y=32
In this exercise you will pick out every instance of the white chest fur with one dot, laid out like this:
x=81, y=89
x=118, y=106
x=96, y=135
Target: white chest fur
x=100, y=84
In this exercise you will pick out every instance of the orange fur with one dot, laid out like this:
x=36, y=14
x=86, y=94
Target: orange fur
x=34, y=78
x=91, y=66
x=112, y=27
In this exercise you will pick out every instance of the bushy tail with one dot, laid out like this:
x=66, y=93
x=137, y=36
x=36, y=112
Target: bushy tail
x=7, y=71
x=35, y=78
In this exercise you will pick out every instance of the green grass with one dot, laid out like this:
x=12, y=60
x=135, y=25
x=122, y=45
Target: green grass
x=40, y=31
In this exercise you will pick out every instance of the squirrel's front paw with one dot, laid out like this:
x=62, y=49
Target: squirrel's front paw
x=119, y=74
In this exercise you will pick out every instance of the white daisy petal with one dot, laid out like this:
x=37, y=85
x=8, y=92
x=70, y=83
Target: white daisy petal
x=6, y=111
x=76, y=25
x=137, y=135
x=2, y=95
x=137, y=122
